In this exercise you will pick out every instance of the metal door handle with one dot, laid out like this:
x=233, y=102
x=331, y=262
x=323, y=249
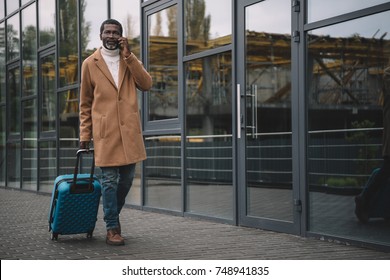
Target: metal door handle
x=238, y=117
x=254, y=112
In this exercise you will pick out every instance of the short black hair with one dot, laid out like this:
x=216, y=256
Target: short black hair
x=111, y=21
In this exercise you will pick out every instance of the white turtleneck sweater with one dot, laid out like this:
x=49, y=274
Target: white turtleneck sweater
x=111, y=57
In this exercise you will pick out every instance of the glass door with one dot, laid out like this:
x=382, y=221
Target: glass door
x=264, y=100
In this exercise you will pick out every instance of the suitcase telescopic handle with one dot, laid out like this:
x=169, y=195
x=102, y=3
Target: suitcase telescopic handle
x=76, y=168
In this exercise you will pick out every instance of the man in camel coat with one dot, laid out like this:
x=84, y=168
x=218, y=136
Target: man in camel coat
x=109, y=115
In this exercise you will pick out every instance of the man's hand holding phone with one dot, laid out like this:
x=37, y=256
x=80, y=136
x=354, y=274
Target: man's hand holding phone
x=124, y=46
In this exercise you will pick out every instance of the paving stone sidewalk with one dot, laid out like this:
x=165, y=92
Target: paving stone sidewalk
x=154, y=236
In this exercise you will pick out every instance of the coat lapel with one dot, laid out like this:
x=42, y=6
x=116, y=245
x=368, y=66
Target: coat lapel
x=122, y=72
x=101, y=64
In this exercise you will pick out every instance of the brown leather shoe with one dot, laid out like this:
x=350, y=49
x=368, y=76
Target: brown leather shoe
x=114, y=238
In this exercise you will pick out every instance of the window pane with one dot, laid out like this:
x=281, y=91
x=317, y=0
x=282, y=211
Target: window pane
x=13, y=165
x=319, y=9
x=12, y=5
x=68, y=42
x=14, y=101
x=209, y=136
x=162, y=172
x=69, y=114
x=13, y=42
x=48, y=109
x=162, y=54
x=2, y=63
x=30, y=145
x=2, y=145
x=47, y=165
x=346, y=66
x=68, y=131
x=47, y=22
x=127, y=12
x=93, y=13
x=2, y=9
x=207, y=24
x=268, y=110
x=29, y=43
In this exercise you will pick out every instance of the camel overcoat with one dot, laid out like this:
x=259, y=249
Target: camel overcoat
x=109, y=115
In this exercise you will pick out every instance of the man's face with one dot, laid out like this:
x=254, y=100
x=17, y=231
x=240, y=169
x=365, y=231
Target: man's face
x=110, y=36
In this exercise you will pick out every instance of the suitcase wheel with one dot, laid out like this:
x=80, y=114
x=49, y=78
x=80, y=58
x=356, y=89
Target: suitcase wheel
x=89, y=234
x=54, y=236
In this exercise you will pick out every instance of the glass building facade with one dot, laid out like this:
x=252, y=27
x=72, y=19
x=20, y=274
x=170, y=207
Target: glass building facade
x=263, y=113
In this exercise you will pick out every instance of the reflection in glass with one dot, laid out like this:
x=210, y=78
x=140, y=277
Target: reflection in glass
x=68, y=129
x=68, y=41
x=13, y=86
x=47, y=165
x=2, y=145
x=29, y=43
x=128, y=14
x=69, y=114
x=93, y=14
x=208, y=24
x=30, y=145
x=268, y=110
x=13, y=165
x=2, y=8
x=47, y=22
x=163, y=172
x=346, y=63
x=13, y=41
x=162, y=55
x=68, y=132
x=48, y=109
x=2, y=64
x=209, y=136
x=319, y=9
x=12, y=5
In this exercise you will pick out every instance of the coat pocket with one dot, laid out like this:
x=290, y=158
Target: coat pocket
x=132, y=122
x=103, y=126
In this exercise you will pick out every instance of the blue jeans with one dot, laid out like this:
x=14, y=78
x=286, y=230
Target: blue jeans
x=116, y=184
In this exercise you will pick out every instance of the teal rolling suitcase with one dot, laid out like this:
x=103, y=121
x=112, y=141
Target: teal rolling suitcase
x=75, y=202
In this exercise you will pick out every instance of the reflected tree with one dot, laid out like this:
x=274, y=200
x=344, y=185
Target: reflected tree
x=47, y=36
x=68, y=35
x=172, y=21
x=12, y=42
x=157, y=30
x=69, y=24
x=197, y=25
x=29, y=42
